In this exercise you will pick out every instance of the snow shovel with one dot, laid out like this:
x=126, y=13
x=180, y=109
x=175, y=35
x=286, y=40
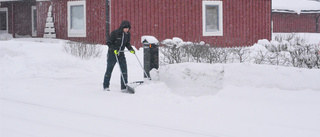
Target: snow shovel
x=130, y=87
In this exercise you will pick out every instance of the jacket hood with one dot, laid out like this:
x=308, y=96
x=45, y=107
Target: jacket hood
x=124, y=23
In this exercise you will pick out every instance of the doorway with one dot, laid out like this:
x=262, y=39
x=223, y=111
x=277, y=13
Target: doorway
x=4, y=20
x=34, y=21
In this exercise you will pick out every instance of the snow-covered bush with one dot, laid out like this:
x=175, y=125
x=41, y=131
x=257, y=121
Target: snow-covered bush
x=240, y=54
x=288, y=50
x=177, y=51
x=172, y=52
x=222, y=55
x=297, y=52
x=83, y=50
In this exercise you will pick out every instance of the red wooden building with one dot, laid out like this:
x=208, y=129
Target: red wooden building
x=290, y=21
x=298, y=16
x=222, y=23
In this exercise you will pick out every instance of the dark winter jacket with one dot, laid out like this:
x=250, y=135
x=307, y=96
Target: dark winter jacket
x=116, y=37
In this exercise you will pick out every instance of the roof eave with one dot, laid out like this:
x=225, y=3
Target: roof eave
x=292, y=11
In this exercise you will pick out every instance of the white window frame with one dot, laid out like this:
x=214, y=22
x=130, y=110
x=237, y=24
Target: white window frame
x=214, y=3
x=77, y=33
x=34, y=30
x=6, y=10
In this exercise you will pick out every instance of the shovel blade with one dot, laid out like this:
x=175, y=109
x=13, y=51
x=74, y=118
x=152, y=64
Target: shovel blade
x=130, y=89
x=132, y=86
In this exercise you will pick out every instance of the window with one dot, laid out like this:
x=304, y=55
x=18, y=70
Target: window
x=212, y=18
x=4, y=19
x=77, y=19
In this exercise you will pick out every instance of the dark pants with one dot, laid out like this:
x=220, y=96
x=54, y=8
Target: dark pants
x=111, y=61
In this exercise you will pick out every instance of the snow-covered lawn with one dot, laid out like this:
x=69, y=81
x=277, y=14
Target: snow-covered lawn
x=45, y=92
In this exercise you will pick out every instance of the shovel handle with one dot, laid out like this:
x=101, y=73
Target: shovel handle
x=142, y=67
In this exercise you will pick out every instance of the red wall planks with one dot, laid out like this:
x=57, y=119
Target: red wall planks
x=42, y=10
x=96, y=20
x=292, y=22
x=244, y=22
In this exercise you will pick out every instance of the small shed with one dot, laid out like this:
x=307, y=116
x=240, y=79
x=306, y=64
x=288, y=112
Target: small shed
x=223, y=23
x=294, y=16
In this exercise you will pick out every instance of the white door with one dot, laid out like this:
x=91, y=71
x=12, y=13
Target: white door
x=4, y=20
x=34, y=20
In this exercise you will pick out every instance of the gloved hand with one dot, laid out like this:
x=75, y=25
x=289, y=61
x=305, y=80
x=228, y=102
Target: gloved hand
x=116, y=52
x=132, y=51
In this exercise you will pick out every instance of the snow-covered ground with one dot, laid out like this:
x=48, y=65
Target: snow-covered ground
x=45, y=92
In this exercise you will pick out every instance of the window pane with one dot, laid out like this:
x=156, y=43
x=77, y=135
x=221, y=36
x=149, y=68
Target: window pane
x=35, y=19
x=77, y=17
x=3, y=20
x=212, y=18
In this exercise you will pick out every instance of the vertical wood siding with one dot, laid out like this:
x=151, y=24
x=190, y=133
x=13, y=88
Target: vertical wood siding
x=95, y=14
x=244, y=21
x=42, y=10
x=292, y=22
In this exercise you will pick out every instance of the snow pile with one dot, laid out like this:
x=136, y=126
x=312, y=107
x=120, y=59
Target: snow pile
x=44, y=61
x=5, y=36
x=193, y=79
x=263, y=76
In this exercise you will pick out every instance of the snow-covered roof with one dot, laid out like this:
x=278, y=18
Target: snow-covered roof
x=297, y=6
x=149, y=39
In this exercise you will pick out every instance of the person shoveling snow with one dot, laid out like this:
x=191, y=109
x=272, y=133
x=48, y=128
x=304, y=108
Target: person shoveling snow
x=119, y=39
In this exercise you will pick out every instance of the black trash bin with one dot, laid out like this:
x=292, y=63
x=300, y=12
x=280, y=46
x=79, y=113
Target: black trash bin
x=151, y=55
